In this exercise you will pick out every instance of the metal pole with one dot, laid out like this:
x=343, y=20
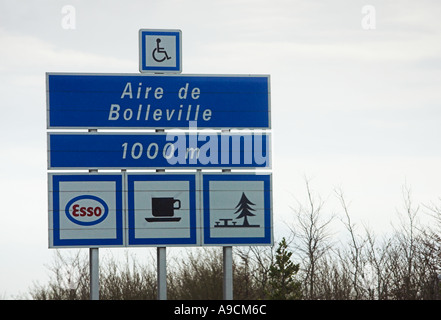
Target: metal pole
x=94, y=274
x=227, y=262
x=162, y=272
x=94, y=261
x=161, y=261
x=228, y=273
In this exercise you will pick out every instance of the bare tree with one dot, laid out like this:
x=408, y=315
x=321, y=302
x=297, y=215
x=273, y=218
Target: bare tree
x=404, y=264
x=69, y=278
x=355, y=255
x=252, y=271
x=432, y=246
x=377, y=255
x=405, y=250
x=199, y=276
x=311, y=229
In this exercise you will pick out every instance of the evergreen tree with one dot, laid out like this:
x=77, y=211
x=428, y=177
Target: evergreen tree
x=244, y=209
x=282, y=272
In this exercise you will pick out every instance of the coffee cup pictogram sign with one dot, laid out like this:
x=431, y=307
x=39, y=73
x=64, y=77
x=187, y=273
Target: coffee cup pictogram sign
x=163, y=209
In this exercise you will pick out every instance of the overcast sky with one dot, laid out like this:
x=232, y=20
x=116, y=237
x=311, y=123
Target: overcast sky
x=355, y=102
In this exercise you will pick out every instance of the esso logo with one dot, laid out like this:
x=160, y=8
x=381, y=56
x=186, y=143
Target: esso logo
x=86, y=210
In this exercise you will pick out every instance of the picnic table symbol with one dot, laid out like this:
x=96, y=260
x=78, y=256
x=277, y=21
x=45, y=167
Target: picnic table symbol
x=244, y=209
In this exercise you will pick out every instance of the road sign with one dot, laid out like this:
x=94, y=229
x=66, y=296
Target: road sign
x=237, y=209
x=157, y=101
x=158, y=150
x=162, y=209
x=85, y=210
x=158, y=209
x=160, y=50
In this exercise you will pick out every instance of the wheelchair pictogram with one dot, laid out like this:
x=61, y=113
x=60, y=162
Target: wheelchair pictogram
x=160, y=51
x=159, y=54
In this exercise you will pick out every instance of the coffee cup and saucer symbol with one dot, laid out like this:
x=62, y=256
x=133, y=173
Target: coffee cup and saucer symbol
x=163, y=209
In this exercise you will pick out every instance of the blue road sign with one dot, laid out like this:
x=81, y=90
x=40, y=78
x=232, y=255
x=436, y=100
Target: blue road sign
x=160, y=50
x=158, y=150
x=86, y=210
x=162, y=210
x=237, y=209
x=157, y=101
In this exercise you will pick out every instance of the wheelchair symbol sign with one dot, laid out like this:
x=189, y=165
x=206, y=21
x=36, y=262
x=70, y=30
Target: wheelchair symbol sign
x=160, y=50
x=159, y=54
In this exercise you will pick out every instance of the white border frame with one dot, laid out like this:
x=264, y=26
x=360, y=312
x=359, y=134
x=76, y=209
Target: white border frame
x=48, y=126
x=178, y=69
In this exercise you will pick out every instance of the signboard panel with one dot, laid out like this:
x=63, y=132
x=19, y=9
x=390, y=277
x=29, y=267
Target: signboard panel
x=237, y=209
x=157, y=101
x=162, y=210
x=160, y=50
x=85, y=210
x=158, y=150
x=159, y=209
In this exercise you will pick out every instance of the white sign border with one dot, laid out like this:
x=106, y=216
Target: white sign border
x=55, y=241
x=48, y=126
x=194, y=240
x=160, y=32
x=267, y=239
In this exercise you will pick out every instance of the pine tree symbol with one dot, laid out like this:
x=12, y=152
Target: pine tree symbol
x=244, y=209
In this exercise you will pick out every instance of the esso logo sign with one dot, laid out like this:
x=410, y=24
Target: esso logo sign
x=86, y=210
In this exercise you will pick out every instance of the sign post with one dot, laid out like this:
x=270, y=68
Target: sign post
x=94, y=273
x=228, y=272
x=161, y=260
x=94, y=263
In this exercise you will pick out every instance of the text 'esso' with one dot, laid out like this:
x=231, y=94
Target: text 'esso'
x=86, y=210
